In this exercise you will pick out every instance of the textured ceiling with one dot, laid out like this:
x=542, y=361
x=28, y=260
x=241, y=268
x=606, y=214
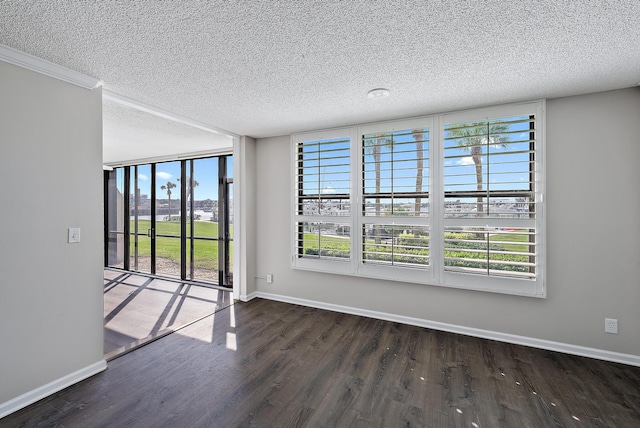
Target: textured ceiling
x=264, y=68
x=131, y=134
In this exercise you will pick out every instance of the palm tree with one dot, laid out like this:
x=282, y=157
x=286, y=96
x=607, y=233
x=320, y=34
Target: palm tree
x=472, y=137
x=191, y=183
x=418, y=135
x=373, y=147
x=168, y=188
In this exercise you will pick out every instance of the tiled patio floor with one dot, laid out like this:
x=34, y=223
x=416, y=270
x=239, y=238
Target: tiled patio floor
x=139, y=308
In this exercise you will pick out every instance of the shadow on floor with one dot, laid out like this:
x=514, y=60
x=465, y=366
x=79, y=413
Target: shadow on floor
x=139, y=309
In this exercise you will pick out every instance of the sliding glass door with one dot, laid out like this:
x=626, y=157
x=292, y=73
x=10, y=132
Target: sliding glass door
x=180, y=219
x=114, y=216
x=140, y=223
x=202, y=230
x=208, y=219
x=167, y=236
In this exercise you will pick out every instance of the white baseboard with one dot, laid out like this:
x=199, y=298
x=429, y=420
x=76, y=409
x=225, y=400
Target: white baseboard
x=250, y=296
x=44, y=391
x=600, y=354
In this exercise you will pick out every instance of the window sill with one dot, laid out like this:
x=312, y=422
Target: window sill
x=493, y=284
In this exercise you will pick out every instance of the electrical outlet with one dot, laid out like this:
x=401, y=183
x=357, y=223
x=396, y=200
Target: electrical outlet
x=611, y=325
x=269, y=278
x=74, y=235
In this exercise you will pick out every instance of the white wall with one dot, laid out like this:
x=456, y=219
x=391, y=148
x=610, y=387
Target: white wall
x=593, y=201
x=244, y=185
x=51, y=306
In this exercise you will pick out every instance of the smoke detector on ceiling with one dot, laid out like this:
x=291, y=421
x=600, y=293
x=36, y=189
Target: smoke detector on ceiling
x=378, y=93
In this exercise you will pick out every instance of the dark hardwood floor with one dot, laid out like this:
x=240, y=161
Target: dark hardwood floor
x=271, y=364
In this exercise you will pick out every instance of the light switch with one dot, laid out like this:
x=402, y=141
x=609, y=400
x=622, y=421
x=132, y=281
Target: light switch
x=74, y=235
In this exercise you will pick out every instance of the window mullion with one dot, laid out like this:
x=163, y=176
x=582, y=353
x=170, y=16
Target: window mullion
x=436, y=201
x=356, y=199
x=488, y=197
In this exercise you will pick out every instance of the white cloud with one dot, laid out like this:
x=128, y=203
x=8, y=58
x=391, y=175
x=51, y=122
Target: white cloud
x=467, y=160
x=328, y=190
x=142, y=177
x=164, y=175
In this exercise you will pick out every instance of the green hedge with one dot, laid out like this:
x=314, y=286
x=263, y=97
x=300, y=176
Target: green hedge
x=401, y=254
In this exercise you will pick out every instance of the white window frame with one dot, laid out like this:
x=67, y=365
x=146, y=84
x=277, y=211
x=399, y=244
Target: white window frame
x=436, y=221
x=321, y=265
x=533, y=287
x=406, y=274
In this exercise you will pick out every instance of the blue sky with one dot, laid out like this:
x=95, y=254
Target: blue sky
x=205, y=173
x=509, y=163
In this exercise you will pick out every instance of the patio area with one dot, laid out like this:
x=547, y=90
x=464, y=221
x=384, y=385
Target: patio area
x=139, y=309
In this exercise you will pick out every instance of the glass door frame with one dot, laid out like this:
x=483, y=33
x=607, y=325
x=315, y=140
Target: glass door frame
x=136, y=232
x=225, y=275
x=187, y=264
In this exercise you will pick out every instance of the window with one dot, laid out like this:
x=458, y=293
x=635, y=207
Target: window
x=323, y=198
x=488, y=174
x=395, y=196
x=450, y=200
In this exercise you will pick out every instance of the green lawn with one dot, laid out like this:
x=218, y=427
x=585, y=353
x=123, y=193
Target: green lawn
x=508, y=237
x=333, y=242
x=205, y=254
x=205, y=229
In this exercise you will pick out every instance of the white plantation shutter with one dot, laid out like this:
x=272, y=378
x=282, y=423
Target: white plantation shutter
x=488, y=168
x=323, y=192
x=396, y=173
x=453, y=200
x=489, y=183
x=395, y=198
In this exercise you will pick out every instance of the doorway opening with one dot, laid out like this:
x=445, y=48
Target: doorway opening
x=172, y=219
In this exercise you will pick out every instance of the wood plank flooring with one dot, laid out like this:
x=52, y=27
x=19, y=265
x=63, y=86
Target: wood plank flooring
x=139, y=309
x=272, y=364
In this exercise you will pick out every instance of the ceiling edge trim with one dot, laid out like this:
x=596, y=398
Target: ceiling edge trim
x=168, y=158
x=48, y=68
x=157, y=111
